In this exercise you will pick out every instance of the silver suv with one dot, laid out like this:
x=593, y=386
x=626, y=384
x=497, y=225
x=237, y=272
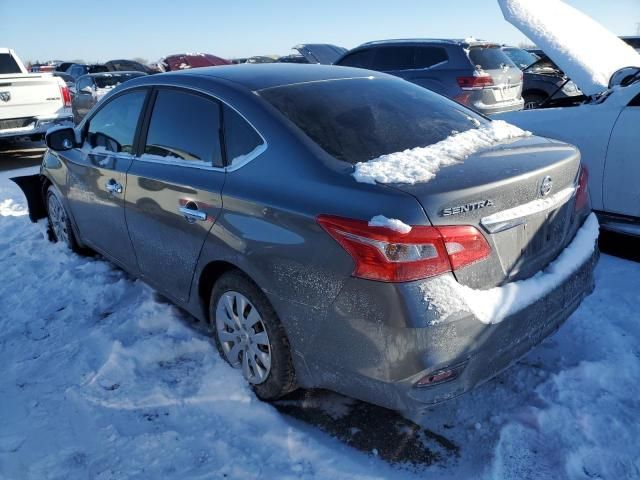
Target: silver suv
x=475, y=73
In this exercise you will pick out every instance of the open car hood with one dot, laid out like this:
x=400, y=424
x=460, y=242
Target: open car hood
x=586, y=51
x=323, y=53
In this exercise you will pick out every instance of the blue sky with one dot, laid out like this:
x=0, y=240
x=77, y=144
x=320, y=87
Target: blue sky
x=44, y=29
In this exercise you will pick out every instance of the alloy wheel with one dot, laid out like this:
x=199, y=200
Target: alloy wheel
x=58, y=218
x=243, y=336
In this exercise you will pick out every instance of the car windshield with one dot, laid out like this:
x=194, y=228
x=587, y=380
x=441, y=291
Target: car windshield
x=489, y=57
x=520, y=57
x=356, y=120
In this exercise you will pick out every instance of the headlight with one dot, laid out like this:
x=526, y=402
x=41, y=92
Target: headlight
x=570, y=88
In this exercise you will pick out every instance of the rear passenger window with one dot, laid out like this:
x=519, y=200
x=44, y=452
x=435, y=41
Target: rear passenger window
x=393, y=58
x=426, y=57
x=114, y=126
x=241, y=139
x=186, y=127
x=360, y=59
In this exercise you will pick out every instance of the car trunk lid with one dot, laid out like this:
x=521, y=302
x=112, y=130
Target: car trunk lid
x=323, y=53
x=519, y=194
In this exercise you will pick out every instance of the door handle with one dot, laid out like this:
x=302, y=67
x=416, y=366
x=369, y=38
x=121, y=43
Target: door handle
x=193, y=214
x=113, y=187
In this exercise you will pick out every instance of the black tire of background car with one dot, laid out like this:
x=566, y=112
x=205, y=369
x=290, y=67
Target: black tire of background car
x=282, y=378
x=532, y=100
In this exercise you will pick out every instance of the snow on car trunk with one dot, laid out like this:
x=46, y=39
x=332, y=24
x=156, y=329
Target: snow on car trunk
x=586, y=51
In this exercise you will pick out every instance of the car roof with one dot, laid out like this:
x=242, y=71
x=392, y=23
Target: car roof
x=442, y=41
x=113, y=74
x=260, y=76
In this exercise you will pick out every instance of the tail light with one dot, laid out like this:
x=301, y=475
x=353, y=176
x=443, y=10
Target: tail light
x=582, y=195
x=475, y=82
x=66, y=95
x=383, y=254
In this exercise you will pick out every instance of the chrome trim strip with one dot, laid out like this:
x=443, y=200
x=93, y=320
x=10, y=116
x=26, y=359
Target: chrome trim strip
x=512, y=217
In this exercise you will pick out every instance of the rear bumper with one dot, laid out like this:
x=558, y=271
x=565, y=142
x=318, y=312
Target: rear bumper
x=379, y=340
x=500, y=107
x=38, y=125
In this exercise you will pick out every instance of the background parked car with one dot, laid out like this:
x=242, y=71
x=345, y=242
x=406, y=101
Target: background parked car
x=128, y=66
x=185, y=61
x=476, y=73
x=63, y=66
x=633, y=41
x=92, y=87
x=76, y=70
x=543, y=80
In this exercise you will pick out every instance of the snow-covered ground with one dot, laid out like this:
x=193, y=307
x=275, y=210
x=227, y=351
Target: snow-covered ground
x=102, y=379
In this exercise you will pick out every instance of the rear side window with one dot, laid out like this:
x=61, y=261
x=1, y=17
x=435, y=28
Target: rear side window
x=114, y=126
x=361, y=119
x=359, y=59
x=185, y=126
x=241, y=140
x=489, y=58
x=8, y=64
x=425, y=57
x=393, y=58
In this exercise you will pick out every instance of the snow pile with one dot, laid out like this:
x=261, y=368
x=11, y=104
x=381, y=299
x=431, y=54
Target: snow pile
x=103, y=379
x=586, y=51
x=421, y=164
x=98, y=93
x=496, y=304
x=390, y=223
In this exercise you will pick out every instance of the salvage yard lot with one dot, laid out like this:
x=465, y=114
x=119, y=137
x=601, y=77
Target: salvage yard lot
x=104, y=379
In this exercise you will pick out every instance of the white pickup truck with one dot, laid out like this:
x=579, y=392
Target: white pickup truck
x=30, y=103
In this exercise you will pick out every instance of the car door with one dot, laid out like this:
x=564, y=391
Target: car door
x=96, y=175
x=174, y=187
x=622, y=168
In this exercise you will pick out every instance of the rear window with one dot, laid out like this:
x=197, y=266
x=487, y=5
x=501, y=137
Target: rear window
x=489, y=58
x=8, y=64
x=112, y=80
x=361, y=119
x=520, y=57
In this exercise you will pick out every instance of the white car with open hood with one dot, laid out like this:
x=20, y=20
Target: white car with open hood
x=605, y=127
x=30, y=103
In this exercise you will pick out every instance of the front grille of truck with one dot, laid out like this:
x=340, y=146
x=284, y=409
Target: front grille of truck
x=16, y=122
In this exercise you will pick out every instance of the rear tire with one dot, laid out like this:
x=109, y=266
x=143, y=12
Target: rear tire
x=250, y=337
x=60, y=229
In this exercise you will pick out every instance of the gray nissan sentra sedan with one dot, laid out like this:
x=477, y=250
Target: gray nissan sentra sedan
x=231, y=190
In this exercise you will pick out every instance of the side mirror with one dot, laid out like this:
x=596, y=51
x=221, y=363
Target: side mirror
x=86, y=90
x=60, y=138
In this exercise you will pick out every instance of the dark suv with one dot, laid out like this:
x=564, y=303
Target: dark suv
x=473, y=72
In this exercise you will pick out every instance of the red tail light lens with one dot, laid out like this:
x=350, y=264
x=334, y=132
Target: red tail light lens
x=582, y=195
x=465, y=245
x=66, y=95
x=383, y=254
x=475, y=82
